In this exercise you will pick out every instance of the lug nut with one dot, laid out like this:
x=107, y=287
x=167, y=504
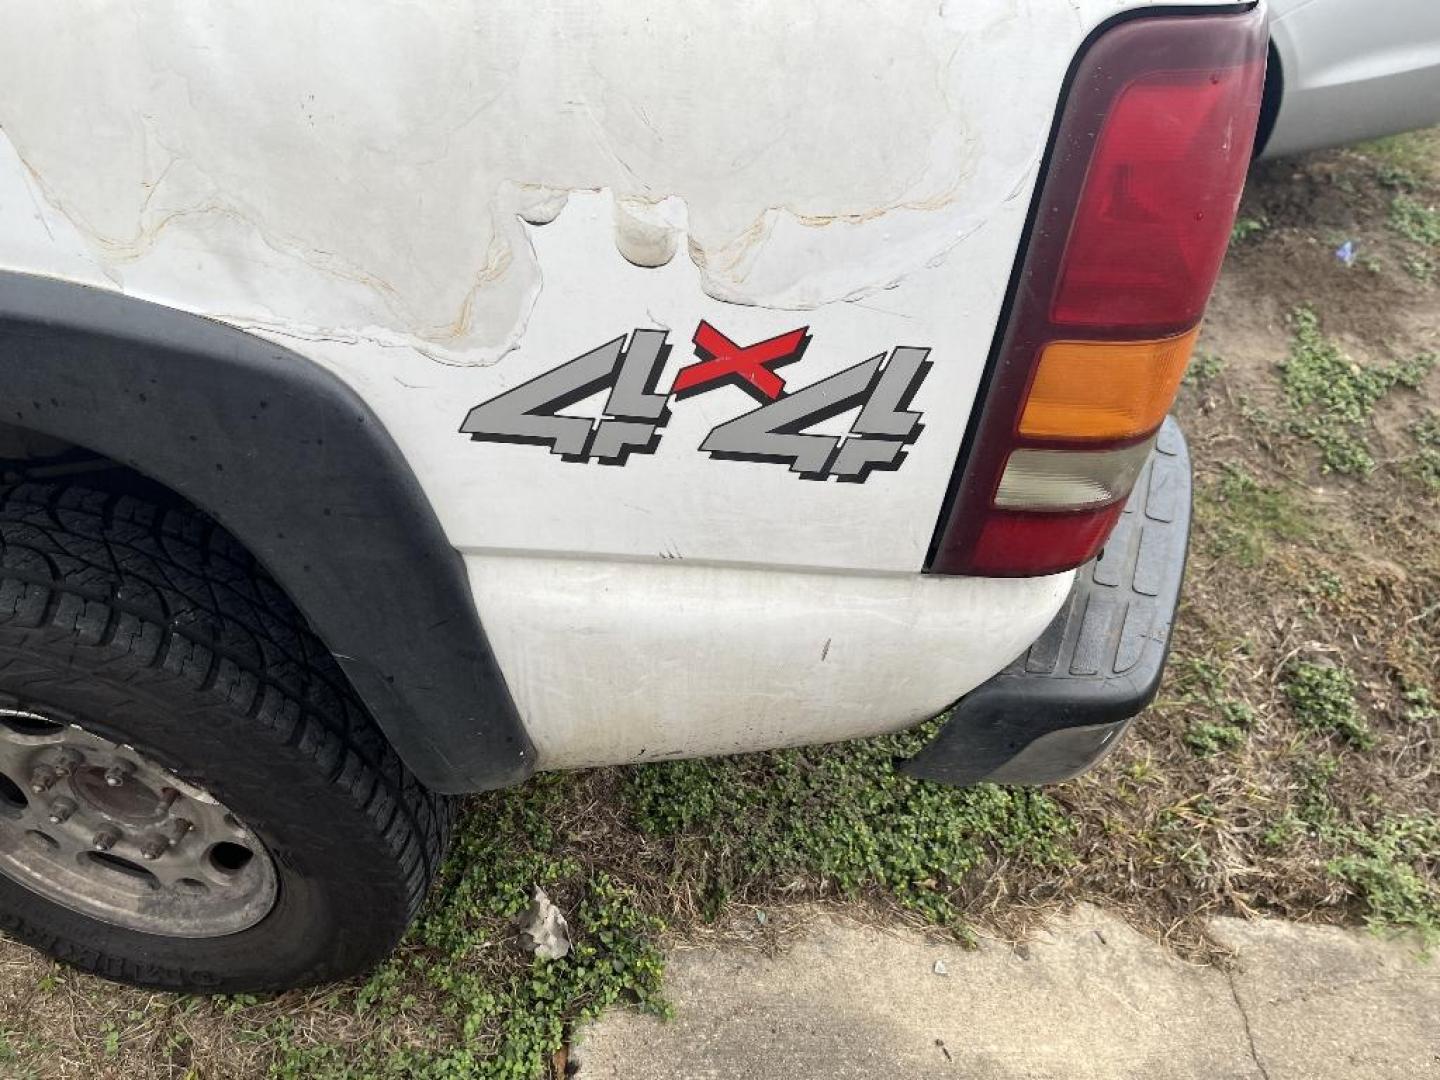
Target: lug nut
x=105, y=839
x=42, y=779
x=154, y=847
x=177, y=828
x=118, y=773
x=67, y=761
x=60, y=811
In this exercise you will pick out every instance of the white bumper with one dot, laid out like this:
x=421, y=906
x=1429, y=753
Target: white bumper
x=613, y=663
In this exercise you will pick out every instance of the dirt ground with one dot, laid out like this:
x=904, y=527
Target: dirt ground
x=1289, y=767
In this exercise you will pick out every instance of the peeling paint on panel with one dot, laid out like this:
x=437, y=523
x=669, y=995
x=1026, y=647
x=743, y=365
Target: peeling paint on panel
x=648, y=233
x=337, y=169
x=383, y=185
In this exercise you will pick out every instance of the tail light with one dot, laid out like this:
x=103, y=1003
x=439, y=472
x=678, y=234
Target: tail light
x=1126, y=239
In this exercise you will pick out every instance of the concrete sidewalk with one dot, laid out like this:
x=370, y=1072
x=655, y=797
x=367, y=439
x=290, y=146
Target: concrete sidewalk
x=1087, y=999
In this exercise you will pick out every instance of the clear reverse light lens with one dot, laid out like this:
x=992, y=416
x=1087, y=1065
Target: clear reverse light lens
x=1069, y=479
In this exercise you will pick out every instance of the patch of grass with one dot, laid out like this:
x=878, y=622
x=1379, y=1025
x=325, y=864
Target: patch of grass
x=1312, y=812
x=1420, y=267
x=1404, y=161
x=1397, y=176
x=1416, y=221
x=1419, y=706
x=502, y=1013
x=1425, y=465
x=1325, y=584
x=1389, y=864
x=1207, y=738
x=1322, y=699
x=17, y=1050
x=841, y=815
x=1204, y=369
x=1246, y=227
x=1240, y=517
x=1332, y=398
x=1380, y=866
x=1197, y=677
x=1224, y=722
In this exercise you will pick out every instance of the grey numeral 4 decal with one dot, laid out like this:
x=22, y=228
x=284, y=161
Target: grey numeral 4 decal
x=633, y=413
x=877, y=439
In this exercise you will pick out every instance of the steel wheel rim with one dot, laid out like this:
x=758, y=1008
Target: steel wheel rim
x=101, y=829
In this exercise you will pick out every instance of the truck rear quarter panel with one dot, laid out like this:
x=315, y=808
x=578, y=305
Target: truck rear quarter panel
x=441, y=202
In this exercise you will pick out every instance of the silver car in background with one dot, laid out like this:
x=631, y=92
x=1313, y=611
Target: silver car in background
x=1346, y=70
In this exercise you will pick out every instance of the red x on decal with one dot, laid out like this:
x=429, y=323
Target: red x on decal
x=721, y=361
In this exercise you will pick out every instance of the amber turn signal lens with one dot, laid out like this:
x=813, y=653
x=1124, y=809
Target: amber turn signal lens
x=1103, y=389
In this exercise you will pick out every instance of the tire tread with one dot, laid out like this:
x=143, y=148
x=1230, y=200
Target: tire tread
x=168, y=589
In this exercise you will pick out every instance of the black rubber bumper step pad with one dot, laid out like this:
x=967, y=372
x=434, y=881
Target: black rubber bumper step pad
x=1061, y=706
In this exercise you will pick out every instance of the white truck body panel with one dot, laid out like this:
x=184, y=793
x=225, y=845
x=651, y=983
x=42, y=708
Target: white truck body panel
x=366, y=183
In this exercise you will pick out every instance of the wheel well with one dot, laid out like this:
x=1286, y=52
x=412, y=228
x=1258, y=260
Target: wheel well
x=28, y=455
x=293, y=464
x=1270, y=99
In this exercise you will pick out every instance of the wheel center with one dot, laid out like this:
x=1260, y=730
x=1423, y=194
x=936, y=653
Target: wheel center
x=132, y=801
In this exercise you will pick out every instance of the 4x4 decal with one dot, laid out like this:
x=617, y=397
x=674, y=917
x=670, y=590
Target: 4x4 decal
x=634, y=412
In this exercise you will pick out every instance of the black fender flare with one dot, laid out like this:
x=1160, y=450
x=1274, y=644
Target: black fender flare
x=296, y=466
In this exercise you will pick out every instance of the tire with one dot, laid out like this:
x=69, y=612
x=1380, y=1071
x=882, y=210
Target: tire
x=152, y=628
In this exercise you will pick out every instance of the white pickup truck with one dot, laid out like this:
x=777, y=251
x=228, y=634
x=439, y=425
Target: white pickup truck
x=399, y=398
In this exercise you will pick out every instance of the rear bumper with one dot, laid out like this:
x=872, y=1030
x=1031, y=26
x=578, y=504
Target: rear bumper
x=1062, y=706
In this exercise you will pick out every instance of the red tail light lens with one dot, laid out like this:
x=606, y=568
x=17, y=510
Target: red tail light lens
x=1126, y=240
x=1159, y=201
